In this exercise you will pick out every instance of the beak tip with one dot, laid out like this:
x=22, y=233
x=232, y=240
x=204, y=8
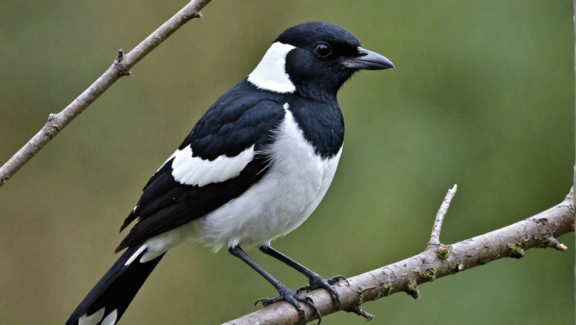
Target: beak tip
x=369, y=60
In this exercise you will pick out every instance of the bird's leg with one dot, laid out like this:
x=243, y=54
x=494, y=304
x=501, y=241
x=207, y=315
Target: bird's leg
x=316, y=281
x=285, y=294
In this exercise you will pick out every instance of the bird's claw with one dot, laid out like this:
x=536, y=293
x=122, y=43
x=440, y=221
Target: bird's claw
x=317, y=282
x=292, y=297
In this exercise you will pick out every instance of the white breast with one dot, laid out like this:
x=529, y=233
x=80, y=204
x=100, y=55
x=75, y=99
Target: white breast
x=282, y=200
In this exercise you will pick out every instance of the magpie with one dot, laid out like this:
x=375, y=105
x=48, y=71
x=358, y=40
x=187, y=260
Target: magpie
x=253, y=168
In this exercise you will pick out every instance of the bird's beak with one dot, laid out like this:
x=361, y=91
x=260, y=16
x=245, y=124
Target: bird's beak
x=367, y=60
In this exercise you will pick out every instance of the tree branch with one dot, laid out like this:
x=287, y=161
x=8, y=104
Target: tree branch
x=435, y=236
x=121, y=67
x=436, y=261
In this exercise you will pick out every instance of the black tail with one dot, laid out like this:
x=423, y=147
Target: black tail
x=109, y=299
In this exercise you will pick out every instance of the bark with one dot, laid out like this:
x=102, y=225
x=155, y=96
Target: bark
x=436, y=261
x=121, y=67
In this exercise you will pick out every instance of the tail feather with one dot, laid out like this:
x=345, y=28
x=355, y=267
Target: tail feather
x=109, y=299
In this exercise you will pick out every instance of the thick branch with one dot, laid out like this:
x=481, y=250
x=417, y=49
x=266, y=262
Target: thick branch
x=120, y=68
x=405, y=276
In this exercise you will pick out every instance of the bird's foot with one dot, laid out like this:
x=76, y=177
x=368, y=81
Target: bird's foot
x=292, y=297
x=317, y=282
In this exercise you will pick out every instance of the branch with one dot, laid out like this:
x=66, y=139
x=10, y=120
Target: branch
x=121, y=67
x=435, y=236
x=436, y=261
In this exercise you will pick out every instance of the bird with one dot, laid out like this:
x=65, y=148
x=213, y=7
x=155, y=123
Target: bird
x=252, y=169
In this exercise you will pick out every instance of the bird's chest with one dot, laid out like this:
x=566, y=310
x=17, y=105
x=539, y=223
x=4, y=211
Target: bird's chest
x=299, y=177
x=295, y=183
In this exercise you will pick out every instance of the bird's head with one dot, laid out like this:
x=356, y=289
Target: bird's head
x=314, y=59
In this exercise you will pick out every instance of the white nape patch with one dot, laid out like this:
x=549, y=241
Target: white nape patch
x=111, y=318
x=92, y=319
x=270, y=74
x=135, y=255
x=197, y=171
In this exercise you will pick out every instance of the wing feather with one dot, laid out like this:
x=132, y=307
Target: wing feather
x=216, y=163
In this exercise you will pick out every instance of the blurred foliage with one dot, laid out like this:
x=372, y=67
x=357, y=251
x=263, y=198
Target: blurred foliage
x=482, y=96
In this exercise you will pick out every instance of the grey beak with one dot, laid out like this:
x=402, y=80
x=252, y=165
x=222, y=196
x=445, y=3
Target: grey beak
x=367, y=60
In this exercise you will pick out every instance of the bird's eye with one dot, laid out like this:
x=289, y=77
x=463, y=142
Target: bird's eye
x=323, y=50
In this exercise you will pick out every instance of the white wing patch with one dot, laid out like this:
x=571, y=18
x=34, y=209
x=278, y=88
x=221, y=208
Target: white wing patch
x=197, y=171
x=270, y=74
x=92, y=319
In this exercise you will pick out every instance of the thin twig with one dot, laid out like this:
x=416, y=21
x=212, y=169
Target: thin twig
x=538, y=231
x=121, y=67
x=437, y=228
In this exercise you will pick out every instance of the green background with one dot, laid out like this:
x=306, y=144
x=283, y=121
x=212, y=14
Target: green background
x=482, y=96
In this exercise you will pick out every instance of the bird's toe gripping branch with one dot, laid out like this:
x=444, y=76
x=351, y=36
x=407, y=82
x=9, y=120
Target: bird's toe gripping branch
x=293, y=298
x=317, y=282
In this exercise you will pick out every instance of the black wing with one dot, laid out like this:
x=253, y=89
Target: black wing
x=233, y=124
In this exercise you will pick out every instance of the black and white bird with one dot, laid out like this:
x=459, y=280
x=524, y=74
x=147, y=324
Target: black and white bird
x=253, y=168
